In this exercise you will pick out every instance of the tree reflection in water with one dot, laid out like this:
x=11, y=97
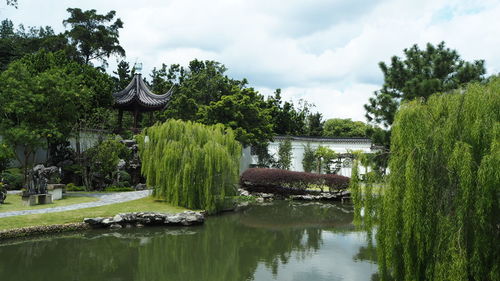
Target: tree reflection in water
x=227, y=247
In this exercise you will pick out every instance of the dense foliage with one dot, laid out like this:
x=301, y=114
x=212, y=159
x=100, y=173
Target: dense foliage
x=277, y=178
x=203, y=93
x=346, y=128
x=439, y=217
x=324, y=157
x=13, y=178
x=101, y=161
x=6, y=155
x=95, y=36
x=420, y=74
x=190, y=164
x=45, y=97
x=285, y=154
x=308, y=160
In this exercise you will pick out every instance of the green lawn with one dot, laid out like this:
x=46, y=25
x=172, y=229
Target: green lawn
x=14, y=203
x=147, y=204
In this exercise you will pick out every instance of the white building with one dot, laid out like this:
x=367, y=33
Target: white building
x=341, y=146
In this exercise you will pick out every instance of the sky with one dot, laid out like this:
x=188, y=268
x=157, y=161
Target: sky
x=323, y=51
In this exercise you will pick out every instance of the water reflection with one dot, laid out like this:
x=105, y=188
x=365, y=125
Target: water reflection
x=279, y=241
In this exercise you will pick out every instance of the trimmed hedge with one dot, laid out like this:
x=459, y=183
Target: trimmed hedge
x=289, y=182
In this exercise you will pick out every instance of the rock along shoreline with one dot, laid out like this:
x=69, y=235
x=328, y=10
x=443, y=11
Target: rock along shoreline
x=122, y=220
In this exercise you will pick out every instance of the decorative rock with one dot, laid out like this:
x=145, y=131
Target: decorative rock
x=117, y=218
x=173, y=219
x=324, y=196
x=121, y=164
x=107, y=221
x=243, y=192
x=115, y=226
x=148, y=218
x=140, y=186
x=93, y=221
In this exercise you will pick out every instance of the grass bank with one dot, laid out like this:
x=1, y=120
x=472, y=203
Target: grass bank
x=147, y=204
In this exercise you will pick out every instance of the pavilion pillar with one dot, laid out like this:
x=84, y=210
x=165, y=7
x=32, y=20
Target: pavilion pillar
x=120, y=120
x=136, y=118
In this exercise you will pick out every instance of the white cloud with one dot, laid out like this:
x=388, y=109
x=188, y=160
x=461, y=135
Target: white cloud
x=324, y=51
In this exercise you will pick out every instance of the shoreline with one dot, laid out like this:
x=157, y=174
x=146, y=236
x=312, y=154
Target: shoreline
x=122, y=220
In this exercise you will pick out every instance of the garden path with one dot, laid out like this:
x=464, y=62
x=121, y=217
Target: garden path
x=104, y=199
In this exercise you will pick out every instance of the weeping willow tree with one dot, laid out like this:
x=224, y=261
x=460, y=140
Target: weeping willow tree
x=440, y=218
x=190, y=164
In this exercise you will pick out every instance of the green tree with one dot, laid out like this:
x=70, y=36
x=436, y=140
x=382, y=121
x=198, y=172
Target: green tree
x=199, y=85
x=309, y=158
x=94, y=35
x=420, y=74
x=439, y=217
x=314, y=124
x=103, y=159
x=123, y=75
x=47, y=98
x=346, y=128
x=203, y=93
x=286, y=119
x=324, y=157
x=189, y=164
x=16, y=43
x=37, y=107
x=242, y=112
x=285, y=154
x=6, y=155
x=264, y=158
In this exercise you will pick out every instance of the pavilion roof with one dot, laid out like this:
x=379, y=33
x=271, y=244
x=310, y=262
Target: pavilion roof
x=138, y=96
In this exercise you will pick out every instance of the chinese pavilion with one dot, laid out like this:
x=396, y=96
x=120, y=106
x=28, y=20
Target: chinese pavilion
x=138, y=98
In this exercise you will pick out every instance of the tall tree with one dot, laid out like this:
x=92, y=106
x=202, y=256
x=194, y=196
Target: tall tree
x=198, y=164
x=38, y=106
x=95, y=36
x=337, y=127
x=418, y=75
x=242, y=112
x=16, y=43
x=286, y=118
x=285, y=154
x=203, y=93
x=314, y=124
x=309, y=160
x=439, y=216
x=123, y=75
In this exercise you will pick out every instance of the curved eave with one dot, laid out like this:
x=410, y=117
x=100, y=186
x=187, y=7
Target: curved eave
x=137, y=95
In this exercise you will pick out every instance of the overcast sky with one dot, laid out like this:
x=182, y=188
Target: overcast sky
x=323, y=51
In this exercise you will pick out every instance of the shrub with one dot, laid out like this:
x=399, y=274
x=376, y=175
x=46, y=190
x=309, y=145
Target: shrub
x=285, y=154
x=124, y=176
x=73, y=187
x=102, y=160
x=6, y=155
x=13, y=177
x=117, y=188
x=271, y=179
x=309, y=160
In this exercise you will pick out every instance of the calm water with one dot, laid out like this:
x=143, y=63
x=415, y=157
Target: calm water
x=280, y=241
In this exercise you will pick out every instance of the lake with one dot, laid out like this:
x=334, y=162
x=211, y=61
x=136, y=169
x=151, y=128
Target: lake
x=274, y=241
